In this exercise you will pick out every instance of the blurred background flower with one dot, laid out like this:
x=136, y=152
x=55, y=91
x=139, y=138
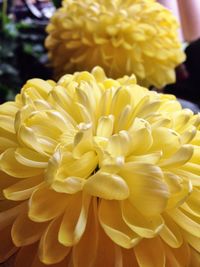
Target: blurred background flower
x=123, y=37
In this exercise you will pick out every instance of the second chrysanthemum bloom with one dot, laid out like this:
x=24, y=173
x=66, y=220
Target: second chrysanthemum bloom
x=123, y=37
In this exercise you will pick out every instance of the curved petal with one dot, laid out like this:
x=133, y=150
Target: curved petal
x=10, y=213
x=188, y=222
x=108, y=253
x=12, y=167
x=192, y=204
x=28, y=253
x=106, y=186
x=45, y=204
x=192, y=240
x=178, y=257
x=7, y=248
x=23, y=189
x=105, y=126
x=179, y=188
x=5, y=181
x=148, y=191
x=129, y=258
x=50, y=250
x=89, y=240
x=30, y=158
x=195, y=258
x=70, y=185
x=111, y=221
x=150, y=252
x=182, y=156
x=143, y=226
x=74, y=220
x=28, y=257
x=165, y=139
x=171, y=233
x=25, y=232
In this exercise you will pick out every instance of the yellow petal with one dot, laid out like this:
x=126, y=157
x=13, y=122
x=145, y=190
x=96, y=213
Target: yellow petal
x=25, y=232
x=129, y=258
x=179, y=189
x=171, y=233
x=143, y=226
x=45, y=204
x=192, y=240
x=195, y=258
x=182, y=156
x=89, y=241
x=10, y=213
x=12, y=167
x=7, y=248
x=42, y=87
x=150, y=252
x=50, y=250
x=28, y=253
x=74, y=220
x=186, y=221
x=6, y=181
x=141, y=136
x=108, y=253
x=114, y=226
x=165, y=139
x=192, y=204
x=107, y=186
x=148, y=192
x=178, y=257
x=22, y=190
x=30, y=158
x=105, y=126
x=70, y=185
x=189, y=173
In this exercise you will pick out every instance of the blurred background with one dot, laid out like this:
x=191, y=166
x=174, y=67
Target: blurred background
x=23, y=56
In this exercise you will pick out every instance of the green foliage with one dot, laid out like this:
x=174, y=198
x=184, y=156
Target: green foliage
x=57, y=3
x=22, y=55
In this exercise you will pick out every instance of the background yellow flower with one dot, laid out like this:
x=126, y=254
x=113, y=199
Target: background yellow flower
x=98, y=172
x=123, y=37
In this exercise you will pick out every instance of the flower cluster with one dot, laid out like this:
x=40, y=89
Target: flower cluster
x=123, y=37
x=98, y=172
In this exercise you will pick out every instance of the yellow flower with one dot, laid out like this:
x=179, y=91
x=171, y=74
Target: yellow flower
x=98, y=172
x=123, y=37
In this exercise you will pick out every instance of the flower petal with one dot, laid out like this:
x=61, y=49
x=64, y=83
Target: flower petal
x=31, y=158
x=10, y=213
x=192, y=204
x=178, y=257
x=171, y=233
x=45, y=204
x=143, y=226
x=188, y=222
x=23, y=189
x=182, y=156
x=107, y=186
x=89, y=241
x=12, y=167
x=129, y=258
x=25, y=232
x=114, y=226
x=150, y=252
x=50, y=250
x=7, y=248
x=148, y=192
x=74, y=220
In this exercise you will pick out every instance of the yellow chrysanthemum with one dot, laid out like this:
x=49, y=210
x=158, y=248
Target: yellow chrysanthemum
x=99, y=172
x=123, y=37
